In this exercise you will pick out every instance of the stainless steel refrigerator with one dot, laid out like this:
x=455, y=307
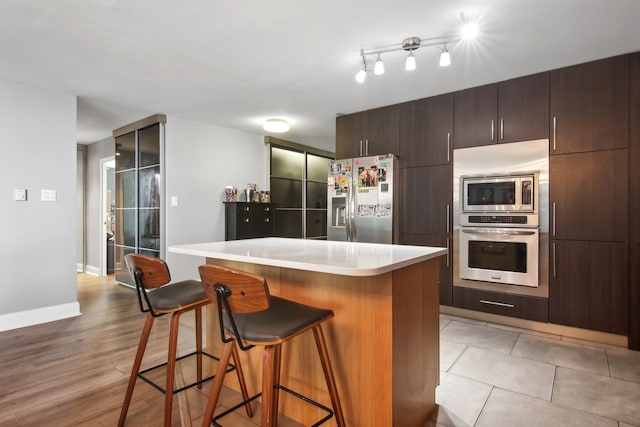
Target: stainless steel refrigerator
x=360, y=202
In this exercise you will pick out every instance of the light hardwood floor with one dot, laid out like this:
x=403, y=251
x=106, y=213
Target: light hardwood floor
x=74, y=372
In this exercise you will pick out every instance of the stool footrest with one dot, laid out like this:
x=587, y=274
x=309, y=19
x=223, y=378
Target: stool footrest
x=142, y=373
x=329, y=411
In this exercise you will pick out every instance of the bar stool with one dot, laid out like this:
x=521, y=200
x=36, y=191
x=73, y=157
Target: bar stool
x=157, y=297
x=250, y=316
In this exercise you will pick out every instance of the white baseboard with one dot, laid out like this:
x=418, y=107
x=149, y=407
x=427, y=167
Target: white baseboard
x=94, y=271
x=37, y=316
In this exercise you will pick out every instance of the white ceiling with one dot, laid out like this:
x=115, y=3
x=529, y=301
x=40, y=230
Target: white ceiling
x=234, y=63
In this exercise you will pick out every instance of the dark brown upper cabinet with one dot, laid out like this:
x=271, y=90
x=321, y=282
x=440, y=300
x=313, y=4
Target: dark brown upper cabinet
x=426, y=131
x=474, y=115
x=589, y=106
x=510, y=111
x=368, y=133
x=589, y=195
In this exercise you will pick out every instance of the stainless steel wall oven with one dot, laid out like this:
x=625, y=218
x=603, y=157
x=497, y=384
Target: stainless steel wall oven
x=501, y=217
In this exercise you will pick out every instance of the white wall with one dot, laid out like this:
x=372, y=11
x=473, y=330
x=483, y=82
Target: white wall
x=38, y=242
x=200, y=160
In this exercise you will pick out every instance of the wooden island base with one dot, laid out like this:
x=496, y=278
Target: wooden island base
x=383, y=343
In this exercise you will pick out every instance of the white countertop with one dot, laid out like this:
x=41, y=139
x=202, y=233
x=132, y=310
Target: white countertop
x=345, y=258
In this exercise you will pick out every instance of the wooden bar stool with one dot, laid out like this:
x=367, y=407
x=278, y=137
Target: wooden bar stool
x=156, y=298
x=250, y=316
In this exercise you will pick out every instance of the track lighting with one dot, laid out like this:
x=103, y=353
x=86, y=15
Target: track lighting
x=378, y=69
x=411, y=44
x=445, y=57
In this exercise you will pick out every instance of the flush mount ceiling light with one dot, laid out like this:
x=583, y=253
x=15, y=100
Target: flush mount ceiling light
x=276, y=125
x=469, y=30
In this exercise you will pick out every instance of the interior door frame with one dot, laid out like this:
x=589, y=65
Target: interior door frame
x=102, y=232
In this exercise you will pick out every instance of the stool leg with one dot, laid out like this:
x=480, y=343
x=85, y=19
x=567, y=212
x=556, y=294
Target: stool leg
x=276, y=381
x=270, y=360
x=217, y=383
x=142, y=345
x=198, y=311
x=171, y=367
x=241, y=381
x=328, y=374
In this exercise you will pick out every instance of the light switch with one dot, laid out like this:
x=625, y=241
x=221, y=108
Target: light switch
x=20, y=194
x=174, y=201
x=48, y=195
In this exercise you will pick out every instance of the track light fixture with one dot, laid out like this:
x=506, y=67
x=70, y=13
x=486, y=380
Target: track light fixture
x=445, y=57
x=411, y=44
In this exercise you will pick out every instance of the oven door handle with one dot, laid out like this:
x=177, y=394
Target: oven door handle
x=501, y=231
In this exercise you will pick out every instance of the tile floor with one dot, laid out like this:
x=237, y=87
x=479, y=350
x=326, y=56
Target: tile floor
x=495, y=376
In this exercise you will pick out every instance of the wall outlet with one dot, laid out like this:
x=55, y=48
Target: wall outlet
x=20, y=194
x=174, y=201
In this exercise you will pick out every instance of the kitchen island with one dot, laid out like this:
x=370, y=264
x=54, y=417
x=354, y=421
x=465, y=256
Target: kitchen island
x=383, y=340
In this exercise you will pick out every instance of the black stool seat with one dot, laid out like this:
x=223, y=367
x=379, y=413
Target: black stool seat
x=282, y=319
x=176, y=295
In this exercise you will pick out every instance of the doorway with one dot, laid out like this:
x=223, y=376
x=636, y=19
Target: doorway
x=107, y=209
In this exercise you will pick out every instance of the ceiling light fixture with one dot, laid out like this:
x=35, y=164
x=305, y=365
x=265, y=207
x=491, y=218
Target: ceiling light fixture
x=445, y=57
x=411, y=44
x=378, y=69
x=362, y=74
x=276, y=125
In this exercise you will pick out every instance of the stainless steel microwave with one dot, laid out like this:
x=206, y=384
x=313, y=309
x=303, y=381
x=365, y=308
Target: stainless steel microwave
x=500, y=193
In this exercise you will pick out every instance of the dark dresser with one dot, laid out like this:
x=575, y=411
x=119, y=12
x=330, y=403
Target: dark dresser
x=249, y=220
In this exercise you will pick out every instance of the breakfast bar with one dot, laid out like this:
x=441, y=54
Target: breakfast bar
x=383, y=340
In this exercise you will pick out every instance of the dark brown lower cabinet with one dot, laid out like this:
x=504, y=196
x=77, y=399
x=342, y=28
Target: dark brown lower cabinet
x=588, y=285
x=521, y=306
x=446, y=271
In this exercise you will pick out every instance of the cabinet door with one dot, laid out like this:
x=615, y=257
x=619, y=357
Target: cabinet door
x=349, y=137
x=523, y=108
x=589, y=106
x=426, y=200
x=588, y=285
x=474, y=116
x=446, y=269
x=589, y=195
x=634, y=205
x=382, y=131
x=426, y=127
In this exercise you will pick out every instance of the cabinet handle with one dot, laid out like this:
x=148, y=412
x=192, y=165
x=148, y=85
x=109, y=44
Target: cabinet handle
x=366, y=147
x=267, y=219
x=553, y=220
x=553, y=256
x=247, y=208
x=448, y=221
x=492, y=132
x=555, y=127
x=448, y=146
x=267, y=208
x=246, y=220
x=448, y=250
x=501, y=129
x=499, y=304
x=360, y=147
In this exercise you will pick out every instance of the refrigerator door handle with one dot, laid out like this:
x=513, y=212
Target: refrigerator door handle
x=353, y=234
x=347, y=218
